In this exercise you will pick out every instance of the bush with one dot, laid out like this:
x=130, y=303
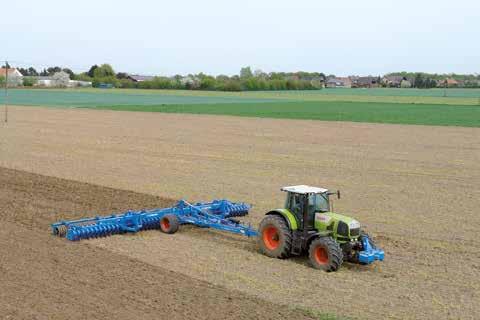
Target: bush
x=230, y=85
x=207, y=83
x=28, y=81
x=127, y=83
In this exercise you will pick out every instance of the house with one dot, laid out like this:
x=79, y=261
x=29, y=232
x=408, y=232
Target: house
x=191, y=82
x=139, y=78
x=43, y=81
x=339, y=82
x=450, y=82
x=15, y=77
x=60, y=79
x=393, y=81
x=366, y=82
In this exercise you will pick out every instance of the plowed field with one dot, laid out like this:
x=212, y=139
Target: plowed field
x=416, y=189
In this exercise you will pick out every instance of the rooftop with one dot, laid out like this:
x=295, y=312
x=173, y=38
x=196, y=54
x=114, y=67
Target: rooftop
x=3, y=71
x=140, y=78
x=303, y=189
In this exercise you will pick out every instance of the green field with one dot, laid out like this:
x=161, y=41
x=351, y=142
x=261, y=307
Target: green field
x=461, y=107
x=421, y=114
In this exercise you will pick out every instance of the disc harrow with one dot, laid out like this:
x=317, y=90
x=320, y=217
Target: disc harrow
x=217, y=214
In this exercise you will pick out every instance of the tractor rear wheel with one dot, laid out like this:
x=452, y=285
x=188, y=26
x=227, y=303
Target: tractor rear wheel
x=169, y=223
x=275, y=238
x=325, y=254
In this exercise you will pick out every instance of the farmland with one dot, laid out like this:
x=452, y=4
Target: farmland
x=401, y=106
x=415, y=188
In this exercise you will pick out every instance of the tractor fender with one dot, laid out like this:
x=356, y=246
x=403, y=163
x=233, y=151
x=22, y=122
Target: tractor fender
x=287, y=215
x=319, y=234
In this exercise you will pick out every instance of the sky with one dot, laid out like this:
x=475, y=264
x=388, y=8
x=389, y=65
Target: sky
x=153, y=37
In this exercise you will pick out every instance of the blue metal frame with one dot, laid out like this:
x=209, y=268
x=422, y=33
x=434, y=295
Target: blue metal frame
x=370, y=252
x=217, y=214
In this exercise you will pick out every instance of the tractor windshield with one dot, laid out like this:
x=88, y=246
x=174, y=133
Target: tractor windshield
x=320, y=202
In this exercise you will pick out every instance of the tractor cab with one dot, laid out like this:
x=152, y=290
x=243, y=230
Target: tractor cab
x=305, y=201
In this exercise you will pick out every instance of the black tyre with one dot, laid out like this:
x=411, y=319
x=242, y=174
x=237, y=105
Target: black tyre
x=275, y=238
x=325, y=254
x=169, y=224
x=60, y=231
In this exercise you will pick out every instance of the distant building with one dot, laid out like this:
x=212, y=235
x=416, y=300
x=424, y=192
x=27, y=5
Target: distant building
x=339, y=82
x=15, y=77
x=405, y=84
x=139, y=78
x=393, y=81
x=191, y=82
x=44, y=81
x=451, y=83
x=60, y=79
x=366, y=82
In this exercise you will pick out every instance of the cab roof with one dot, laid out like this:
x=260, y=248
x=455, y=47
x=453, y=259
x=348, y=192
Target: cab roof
x=303, y=189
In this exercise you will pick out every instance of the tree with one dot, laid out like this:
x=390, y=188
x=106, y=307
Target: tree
x=23, y=71
x=207, y=82
x=61, y=79
x=246, y=73
x=83, y=77
x=92, y=70
x=418, y=82
x=105, y=70
x=52, y=70
x=70, y=72
x=32, y=72
x=260, y=74
x=28, y=72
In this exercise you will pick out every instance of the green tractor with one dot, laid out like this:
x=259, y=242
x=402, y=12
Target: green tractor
x=307, y=224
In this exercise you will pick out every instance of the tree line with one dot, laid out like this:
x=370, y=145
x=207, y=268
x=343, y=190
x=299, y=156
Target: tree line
x=425, y=80
x=246, y=80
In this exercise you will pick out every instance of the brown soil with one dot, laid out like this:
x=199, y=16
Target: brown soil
x=416, y=189
x=44, y=277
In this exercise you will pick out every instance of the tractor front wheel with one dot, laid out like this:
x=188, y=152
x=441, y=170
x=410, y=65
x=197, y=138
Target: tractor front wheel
x=275, y=238
x=325, y=254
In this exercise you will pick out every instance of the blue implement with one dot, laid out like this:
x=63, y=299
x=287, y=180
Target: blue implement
x=218, y=214
x=370, y=252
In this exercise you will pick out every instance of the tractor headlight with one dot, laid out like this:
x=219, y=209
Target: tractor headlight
x=354, y=224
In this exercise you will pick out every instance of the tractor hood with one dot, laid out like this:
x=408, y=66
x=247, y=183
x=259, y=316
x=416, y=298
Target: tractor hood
x=324, y=220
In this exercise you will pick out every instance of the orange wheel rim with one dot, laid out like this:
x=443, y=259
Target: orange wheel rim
x=165, y=224
x=271, y=238
x=321, y=255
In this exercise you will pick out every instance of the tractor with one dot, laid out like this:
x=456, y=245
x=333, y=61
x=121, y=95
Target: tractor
x=307, y=223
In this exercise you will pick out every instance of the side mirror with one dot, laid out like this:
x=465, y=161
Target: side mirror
x=338, y=194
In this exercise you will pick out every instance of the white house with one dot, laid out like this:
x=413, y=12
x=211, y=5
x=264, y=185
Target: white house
x=60, y=79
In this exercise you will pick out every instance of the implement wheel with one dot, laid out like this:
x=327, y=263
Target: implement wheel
x=275, y=238
x=169, y=224
x=325, y=254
